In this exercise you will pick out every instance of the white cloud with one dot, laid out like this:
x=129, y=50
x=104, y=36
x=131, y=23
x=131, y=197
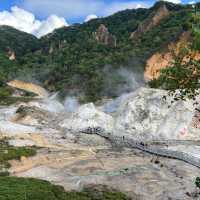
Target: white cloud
x=192, y=2
x=90, y=17
x=118, y=6
x=174, y=1
x=48, y=25
x=26, y=21
x=66, y=8
x=50, y=9
x=76, y=9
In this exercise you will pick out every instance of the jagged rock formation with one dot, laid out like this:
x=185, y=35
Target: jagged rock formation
x=103, y=36
x=163, y=59
x=152, y=21
x=30, y=87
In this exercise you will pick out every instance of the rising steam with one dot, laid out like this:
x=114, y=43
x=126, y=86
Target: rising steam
x=120, y=81
x=71, y=104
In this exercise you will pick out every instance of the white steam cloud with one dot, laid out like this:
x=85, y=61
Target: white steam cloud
x=71, y=104
x=122, y=80
x=26, y=21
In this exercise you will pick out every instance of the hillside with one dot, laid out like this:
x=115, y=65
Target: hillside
x=16, y=41
x=14, y=45
x=88, y=58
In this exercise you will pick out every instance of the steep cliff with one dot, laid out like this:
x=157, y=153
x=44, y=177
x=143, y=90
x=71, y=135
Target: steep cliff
x=163, y=59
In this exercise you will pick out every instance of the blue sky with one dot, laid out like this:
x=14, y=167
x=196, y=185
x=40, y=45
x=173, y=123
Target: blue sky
x=75, y=10
x=40, y=17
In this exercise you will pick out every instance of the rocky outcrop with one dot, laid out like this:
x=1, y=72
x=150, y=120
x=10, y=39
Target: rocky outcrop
x=11, y=55
x=30, y=87
x=33, y=116
x=155, y=19
x=161, y=60
x=103, y=36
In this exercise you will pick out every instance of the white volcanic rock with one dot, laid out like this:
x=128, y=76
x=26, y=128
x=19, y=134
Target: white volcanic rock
x=21, y=143
x=10, y=129
x=147, y=116
x=7, y=113
x=88, y=117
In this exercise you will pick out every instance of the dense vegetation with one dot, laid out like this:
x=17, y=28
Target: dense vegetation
x=12, y=188
x=70, y=59
x=184, y=72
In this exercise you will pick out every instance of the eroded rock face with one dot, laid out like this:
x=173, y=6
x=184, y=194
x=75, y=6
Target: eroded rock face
x=163, y=59
x=147, y=116
x=103, y=36
x=152, y=21
x=157, y=62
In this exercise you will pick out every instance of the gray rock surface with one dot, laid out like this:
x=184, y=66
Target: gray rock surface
x=129, y=171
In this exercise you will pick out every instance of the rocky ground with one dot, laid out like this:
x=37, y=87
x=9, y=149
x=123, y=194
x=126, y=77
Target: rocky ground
x=72, y=155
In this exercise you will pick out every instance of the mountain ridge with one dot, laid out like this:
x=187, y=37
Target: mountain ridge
x=70, y=56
